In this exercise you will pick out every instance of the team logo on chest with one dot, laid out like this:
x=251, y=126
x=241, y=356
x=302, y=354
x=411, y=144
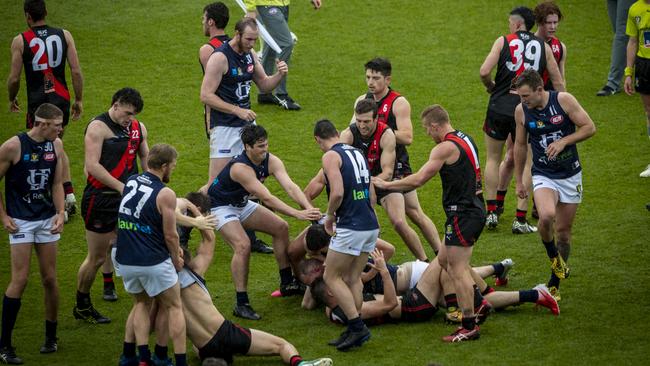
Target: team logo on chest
x=38, y=178
x=557, y=119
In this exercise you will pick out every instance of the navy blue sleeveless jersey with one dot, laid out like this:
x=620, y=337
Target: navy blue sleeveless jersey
x=235, y=86
x=28, y=184
x=462, y=189
x=140, y=238
x=225, y=191
x=544, y=127
x=355, y=212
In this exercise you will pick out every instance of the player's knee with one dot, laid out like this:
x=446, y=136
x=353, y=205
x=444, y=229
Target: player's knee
x=563, y=235
x=242, y=248
x=18, y=283
x=546, y=219
x=281, y=229
x=49, y=282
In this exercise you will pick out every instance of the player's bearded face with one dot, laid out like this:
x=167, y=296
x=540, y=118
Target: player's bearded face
x=247, y=40
x=167, y=172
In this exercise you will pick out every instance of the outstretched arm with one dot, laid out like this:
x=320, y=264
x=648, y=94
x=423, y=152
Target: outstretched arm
x=277, y=169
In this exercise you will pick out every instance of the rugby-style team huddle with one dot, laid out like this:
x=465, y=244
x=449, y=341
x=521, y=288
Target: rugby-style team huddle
x=139, y=227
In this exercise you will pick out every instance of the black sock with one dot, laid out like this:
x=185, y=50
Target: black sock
x=528, y=296
x=491, y=205
x=468, y=322
x=286, y=276
x=521, y=215
x=251, y=236
x=108, y=280
x=451, y=301
x=128, y=349
x=10, y=308
x=551, y=249
x=83, y=300
x=488, y=290
x=50, y=329
x=295, y=360
x=145, y=354
x=160, y=352
x=554, y=281
x=478, y=298
x=242, y=297
x=501, y=197
x=498, y=269
x=356, y=324
x=181, y=359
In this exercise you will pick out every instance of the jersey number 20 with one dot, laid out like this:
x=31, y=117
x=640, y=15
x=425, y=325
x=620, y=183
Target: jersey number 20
x=54, y=48
x=146, y=193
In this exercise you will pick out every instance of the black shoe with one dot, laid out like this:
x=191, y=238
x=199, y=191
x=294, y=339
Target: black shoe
x=266, y=99
x=606, y=91
x=49, y=346
x=8, y=356
x=245, y=311
x=340, y=339
x=286, y=102
x=260, y=247
x=109, y=292
x=91, y=315
x=292, y=288
x=354, y=339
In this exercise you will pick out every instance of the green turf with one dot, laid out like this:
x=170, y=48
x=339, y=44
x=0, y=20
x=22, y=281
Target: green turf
x=436, y=48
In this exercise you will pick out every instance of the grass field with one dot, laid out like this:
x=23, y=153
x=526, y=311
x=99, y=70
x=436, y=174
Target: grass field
x=436, y=48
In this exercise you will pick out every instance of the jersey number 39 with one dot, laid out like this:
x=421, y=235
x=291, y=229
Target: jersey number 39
x=528, y=55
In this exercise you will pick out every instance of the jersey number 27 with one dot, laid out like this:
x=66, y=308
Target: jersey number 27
x=135, y=188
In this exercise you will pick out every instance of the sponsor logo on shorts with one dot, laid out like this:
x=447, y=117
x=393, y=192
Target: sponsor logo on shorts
x=537, y=184
x=18, y=236
x=229, y=216
x=556, y=120
x=579, y=189
x=224, y=151
x=448, y=230
x=48, y=156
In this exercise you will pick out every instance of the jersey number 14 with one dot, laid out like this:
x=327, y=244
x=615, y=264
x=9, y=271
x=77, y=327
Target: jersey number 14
x=359, y=166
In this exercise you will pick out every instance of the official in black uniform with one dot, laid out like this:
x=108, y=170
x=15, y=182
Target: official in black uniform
x=113, y=141
x=456, y=158
x=34, y=218
x=43, y=51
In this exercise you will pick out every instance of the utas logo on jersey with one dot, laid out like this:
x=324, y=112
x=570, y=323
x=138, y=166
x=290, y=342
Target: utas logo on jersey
x=556, y=120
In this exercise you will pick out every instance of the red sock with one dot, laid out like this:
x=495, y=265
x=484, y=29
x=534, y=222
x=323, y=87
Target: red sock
x=295, y=360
